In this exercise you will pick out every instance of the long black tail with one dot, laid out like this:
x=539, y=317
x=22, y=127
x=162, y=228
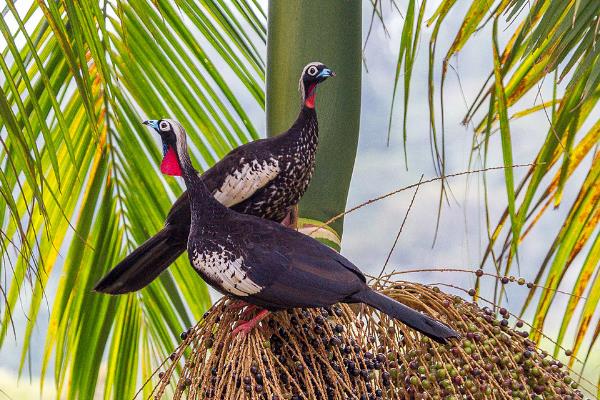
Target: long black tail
x=416, y=320
x=145, y=263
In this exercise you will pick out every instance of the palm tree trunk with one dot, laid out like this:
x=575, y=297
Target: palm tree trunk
x=301, y=31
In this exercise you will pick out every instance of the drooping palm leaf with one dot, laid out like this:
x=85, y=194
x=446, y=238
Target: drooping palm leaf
x=549, y=40
x=69, y=119
x=553, y=40
x=80, y=186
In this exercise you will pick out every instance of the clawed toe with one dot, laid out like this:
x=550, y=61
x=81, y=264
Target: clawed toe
x=246, y=327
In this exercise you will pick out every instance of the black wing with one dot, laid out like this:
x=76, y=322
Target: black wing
x=213, y=178
x=155, y=255
x=294, y=269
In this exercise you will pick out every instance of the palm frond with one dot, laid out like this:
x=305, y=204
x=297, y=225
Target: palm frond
x=548, y=40
x=77, y=189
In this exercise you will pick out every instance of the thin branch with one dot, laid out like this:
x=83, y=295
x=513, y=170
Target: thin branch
x=401, y=226
x=352, y=209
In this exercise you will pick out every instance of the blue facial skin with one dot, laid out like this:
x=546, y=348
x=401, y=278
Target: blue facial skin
x=153, y=123
x=325, y=73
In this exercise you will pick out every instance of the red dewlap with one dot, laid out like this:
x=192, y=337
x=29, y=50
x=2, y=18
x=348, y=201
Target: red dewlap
x=170, y=164
x=310, y=100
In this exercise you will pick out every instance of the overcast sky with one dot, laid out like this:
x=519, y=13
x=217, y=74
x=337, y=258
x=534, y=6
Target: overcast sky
x=370, y=231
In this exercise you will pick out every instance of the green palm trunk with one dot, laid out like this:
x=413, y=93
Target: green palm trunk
x=328, y=31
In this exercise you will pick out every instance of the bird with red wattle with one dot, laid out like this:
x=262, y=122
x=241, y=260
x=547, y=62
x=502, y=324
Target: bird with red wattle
x=270, y=266
x=264, y=178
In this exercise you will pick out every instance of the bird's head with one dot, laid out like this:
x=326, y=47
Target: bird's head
x=313, y=74
x=170, y=133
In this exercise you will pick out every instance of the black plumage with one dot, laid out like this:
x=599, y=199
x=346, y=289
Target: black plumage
x=265, y=178
x=273, y=267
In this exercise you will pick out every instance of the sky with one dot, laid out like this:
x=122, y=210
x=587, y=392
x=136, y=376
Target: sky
x=379, y=169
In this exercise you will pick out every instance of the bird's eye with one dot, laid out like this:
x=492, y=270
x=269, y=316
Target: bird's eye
x=312, y=70
x=164, y=126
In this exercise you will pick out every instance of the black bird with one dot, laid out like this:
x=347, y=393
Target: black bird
x=265, y=178
x=271, y=266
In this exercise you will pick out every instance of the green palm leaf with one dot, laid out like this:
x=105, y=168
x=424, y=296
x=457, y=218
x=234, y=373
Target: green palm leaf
x=549, y=38
x=78, y=193
x=553, y=40
x=77, y=183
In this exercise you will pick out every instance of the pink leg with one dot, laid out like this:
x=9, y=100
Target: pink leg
x=245, y=314
x=246, y=327
x=248, y=311
x=291, y=218
x=238, y=305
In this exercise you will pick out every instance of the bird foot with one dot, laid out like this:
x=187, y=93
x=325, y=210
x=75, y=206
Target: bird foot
x=245, y=327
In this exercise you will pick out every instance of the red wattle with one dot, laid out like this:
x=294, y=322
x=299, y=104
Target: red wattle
x=310, y=100
x=170, y=164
